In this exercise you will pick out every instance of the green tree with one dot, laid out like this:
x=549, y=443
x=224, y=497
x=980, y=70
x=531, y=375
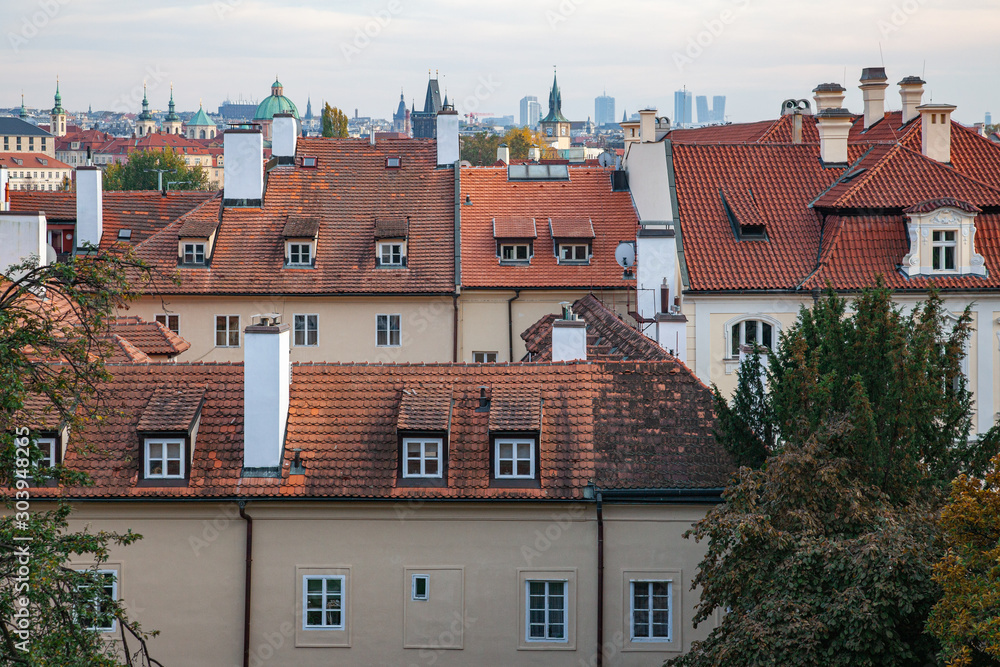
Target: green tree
x=479, y=149
x=823, y=555
x=52, y=353
x=746, y=424
x=138, y=174
x=966, y=620
x=519, y=140
x=334, y=122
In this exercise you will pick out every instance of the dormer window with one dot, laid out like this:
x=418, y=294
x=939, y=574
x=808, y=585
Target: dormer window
x=515, y=252
x=942, y=235
x=300, y=254
x=515, y=428
x=392, y=253
x=164, y=458
x=390, y=242
x=194, y=253
x=515, y=458
x=515, y=238
x=168, y=430
x=393, y=162
x=422, y=457
x=573, y=239
x=422, y=426
x=573, y=252
x=300, y=236
x=309, y=161
x=50, y=451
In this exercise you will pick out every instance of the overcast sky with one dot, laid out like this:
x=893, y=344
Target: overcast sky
x=358, y=55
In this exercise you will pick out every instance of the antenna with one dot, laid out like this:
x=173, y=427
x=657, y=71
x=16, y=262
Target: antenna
x=923, y=72
x=881, y=57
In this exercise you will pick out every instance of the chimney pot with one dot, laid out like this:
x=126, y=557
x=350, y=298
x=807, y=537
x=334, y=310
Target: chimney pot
x=935, y=131
x=873, y=85
x=834, y=125
x=828, y=96
x=911, y=90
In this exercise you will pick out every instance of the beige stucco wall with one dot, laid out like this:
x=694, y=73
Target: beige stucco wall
x=185, y=578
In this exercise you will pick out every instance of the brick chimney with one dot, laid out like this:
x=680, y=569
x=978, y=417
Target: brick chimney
x=89, y=206
x=284, y=134
x=873, y=85
x=447, y=136
x=911, y=89
x=935, y=130
x=569, y=337
x=266, y=380
x=828, y=96
x=243, y=151
x=834, y=125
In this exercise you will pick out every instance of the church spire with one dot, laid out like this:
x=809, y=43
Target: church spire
x=24, y=111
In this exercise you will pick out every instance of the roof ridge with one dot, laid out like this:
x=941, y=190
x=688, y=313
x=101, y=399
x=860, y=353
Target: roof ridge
x=952, y=170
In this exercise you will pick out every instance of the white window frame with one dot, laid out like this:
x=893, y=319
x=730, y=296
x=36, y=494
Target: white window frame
x=423, y=457
x=670, y=611
x=515, y=442
x=305, y=318
x=228, y=331
x=296, y=256
x=400, y=248
x=114, y=596
x=737, y=325
x=388, y=329
x=547, y=609
x=164, y=458
x=324, y=595
x=164, y=319
x=574, y=247
x=414, y=595
x=195, y=250
x=940, y=246
x=484, y=357
x=514, y=247
x=48, y=444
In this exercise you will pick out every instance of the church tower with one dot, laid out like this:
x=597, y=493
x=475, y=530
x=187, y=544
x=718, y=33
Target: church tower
x=57, y=127
x=172, y=123
x=24, y=111
x=145, y=124
x=555, y=125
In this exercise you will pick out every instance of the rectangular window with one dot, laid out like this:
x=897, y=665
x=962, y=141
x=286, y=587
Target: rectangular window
x=573, y=252
x=943, y=251
x=546, y=611
x=514, y=252
x=387, y=330
x=306, y=330
x=227, y=330
x=100, y=617
x=194, y=253
x=299, y=254
x=390, y=254
x=172, y=322
x=393, y=162
x=164, y=459
x=650, y=611
x=422, y=457
x=515, y=459
x=484, y=357
x=50, y=454
x=419, y=588
x=323, y=603
x=31, y=143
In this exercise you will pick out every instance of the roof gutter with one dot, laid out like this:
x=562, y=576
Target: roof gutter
x=711, y=495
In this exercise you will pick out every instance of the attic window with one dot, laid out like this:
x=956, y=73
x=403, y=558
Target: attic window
x=753, y=233
x=124, y=234
x=43, y=161
x=18, y=160
x=393, y=162
x=309, y=161
x=168, y=430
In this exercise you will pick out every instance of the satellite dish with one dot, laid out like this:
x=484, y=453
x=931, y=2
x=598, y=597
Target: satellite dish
x=607, y=159
x=625, y=254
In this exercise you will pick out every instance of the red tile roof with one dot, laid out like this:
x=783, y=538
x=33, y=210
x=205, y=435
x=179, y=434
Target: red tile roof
x=571, y=228
x=425, y=408
x=586, y=195
x=512, y=227
x=619, y=424
x=150, y=337
x=122, y=351
x=347, y=192
x=31, y=161
x=172, y=408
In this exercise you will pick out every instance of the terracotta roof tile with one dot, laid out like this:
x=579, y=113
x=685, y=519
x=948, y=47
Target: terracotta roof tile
x=300, y=228
x=513, y=227
x=571, y=228
x=425, y=408
x=515, y=409
x=390, y=229
x=150, y=337
x=172, y=408
x=122, y=351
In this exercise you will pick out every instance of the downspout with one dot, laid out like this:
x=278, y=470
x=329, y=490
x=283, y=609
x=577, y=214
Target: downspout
x=246, y=584
x=458, y=258
x=600, y=581
x=454, y=328
x=510, y=325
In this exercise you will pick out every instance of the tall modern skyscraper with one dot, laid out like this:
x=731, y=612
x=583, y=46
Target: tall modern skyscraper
x=531, y=111
x=719, y=109
x=714, y=114
x=701, y=104
x=682, y=108
x=604, y=110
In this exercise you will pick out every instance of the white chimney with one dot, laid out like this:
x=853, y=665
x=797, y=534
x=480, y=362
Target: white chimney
x=569, y=339
x=89, y=206
x=503, y=153
x=834, y=125
x=243, y=151
x=671, y=334
x=662, y=127
x=534, y=153
x=935, y=130
x=911, y=89
x=4, y=204
x=447, y=136
x=22, y=235
x=266, y=379
x=873, y=85
x=647, y=125
x=828, y=96
x=284, y=133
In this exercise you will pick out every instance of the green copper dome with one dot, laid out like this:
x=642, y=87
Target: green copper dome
x=200, y=119
x=276, y=103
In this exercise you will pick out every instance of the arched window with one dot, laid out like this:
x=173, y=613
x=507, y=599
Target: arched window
x=759, y=330
x=202, y=134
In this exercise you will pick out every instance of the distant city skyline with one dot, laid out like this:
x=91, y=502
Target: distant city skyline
x=358, y=56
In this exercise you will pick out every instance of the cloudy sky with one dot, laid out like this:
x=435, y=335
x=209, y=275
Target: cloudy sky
x=358, y=55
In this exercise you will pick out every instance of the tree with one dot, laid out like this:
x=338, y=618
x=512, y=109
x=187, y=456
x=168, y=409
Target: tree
x=823, y=555
x=334, y=122
x=53, y=324
x=519, y=140
x=746, y=426
x=966, y=620
x=138, y=174
x=479, y=149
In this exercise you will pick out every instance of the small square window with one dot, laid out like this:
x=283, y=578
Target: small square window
x=299, y=254
x=164, y=459
x=422, y=457
x=515, y=458
x=387, y=332
x=391, y=253
x=323, y=603
x=100, y=617
x=514, y=252
x=484, y=357
x=194, y=253
x=306, y=330
x=420, y=587
x=227, y=330
x=172, y=322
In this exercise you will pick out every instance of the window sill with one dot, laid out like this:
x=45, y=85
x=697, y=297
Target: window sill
x=192, y=265
x=166, y=482
x=421, y=482
x=515, y=262
x=515, y=483
x=298, y=266
x=573, y=262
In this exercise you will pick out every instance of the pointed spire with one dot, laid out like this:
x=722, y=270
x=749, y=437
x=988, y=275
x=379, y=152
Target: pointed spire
x=58, y=108
x=24, y=111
